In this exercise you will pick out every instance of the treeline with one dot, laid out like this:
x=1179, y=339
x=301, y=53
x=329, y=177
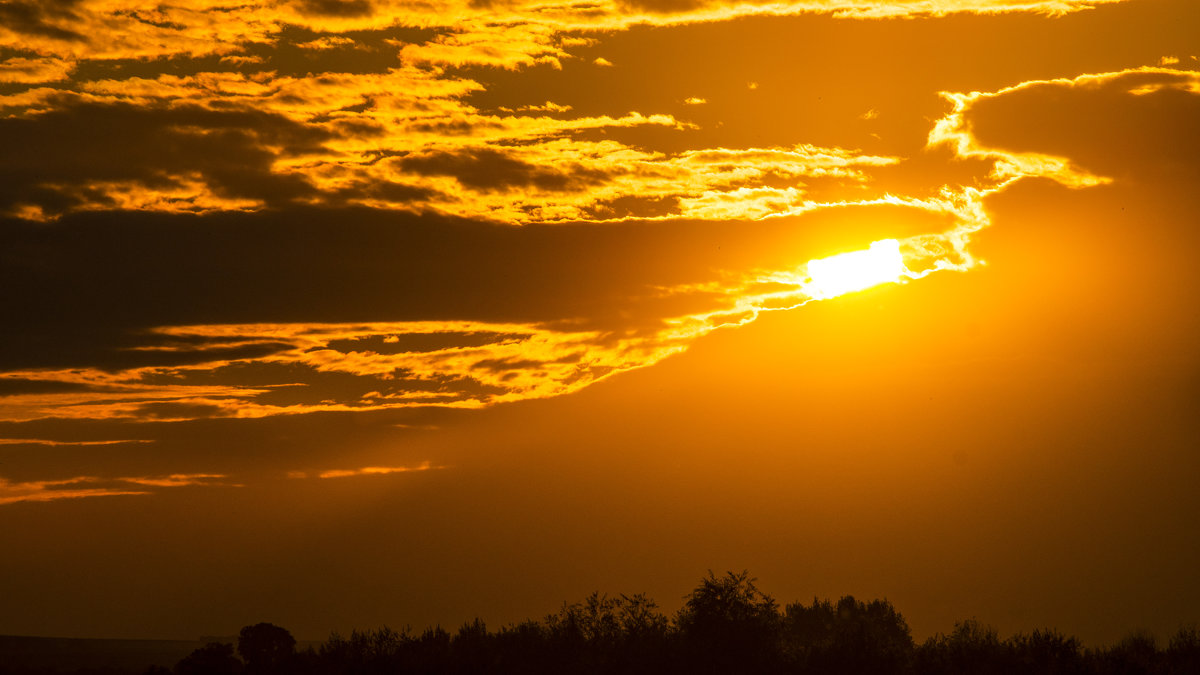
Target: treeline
x=726, y=626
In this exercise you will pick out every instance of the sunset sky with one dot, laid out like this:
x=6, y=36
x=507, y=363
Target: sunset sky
x=344, y=313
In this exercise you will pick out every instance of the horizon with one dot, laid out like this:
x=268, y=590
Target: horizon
x=727, y=624
x=353, y=313
x=413, y=630
x=672, y=615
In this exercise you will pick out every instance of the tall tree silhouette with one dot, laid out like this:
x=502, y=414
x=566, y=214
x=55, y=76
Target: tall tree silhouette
x=266, y=648
x=729, y=626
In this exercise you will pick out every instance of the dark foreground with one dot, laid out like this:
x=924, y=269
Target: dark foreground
x=725, y=626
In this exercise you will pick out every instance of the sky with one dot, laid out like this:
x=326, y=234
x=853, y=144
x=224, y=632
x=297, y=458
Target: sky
x=345, y=313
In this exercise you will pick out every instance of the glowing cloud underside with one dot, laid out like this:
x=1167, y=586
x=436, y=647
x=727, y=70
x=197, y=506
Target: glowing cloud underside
x=857, y=270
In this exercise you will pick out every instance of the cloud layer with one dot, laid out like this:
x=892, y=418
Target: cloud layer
x=224, y=212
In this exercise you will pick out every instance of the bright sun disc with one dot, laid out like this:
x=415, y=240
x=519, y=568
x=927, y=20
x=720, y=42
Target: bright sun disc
x=854, y=271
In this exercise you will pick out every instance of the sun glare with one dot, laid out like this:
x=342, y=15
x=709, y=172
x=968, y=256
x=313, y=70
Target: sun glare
x=855, y=271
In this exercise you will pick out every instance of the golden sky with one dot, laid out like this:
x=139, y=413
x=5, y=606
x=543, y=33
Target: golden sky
x=337, y=313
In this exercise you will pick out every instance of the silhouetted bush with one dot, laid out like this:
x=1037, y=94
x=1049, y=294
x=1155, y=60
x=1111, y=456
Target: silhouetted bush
x=211, y=659
x=1137, y=654
x=970, y=649
x=1047, y=652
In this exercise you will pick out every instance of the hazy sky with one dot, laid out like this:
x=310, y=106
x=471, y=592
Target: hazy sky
x=343, y=313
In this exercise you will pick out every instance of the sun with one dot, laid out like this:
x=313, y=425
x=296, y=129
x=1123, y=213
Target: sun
x=856, y=270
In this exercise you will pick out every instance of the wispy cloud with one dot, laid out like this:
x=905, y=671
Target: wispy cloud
x=93, y=486
x=365, y=471
x=55, y=443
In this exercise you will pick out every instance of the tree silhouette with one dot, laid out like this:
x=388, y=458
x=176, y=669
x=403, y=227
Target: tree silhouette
x=970, y=649
x=265, y=648
x=851, y=637
x=725, y=627
x=1183, y=653
x=364, y=653
x=1136, y=654
x=728, y=625
x=1047, y=652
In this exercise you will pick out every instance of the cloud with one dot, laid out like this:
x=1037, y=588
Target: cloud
x=54, y=443
x=510, y=46
x=34, y=71
x=41, y=19
x=1147, y=113
x=487, y=168
x=406, y=137
x=106, y=29
x=231, y=142
x=332, y=42
x=610, y=312
x=548, y=106
x=181, y=159
x=486, y=329
x=510, y=34
x=369, y=471
x=712, y=9
x=337, y=8
x=228, y=141
x=93, y=486
x=277, y=214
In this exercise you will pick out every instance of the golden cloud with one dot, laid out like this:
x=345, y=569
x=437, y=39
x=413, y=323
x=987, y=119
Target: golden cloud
x=93, y=486
x=371, y=471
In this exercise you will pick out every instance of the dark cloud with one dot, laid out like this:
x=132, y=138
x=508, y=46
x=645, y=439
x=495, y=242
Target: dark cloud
x=289, y=384
x=396, y=193
x=1103, y=126
x=136, y=358
x=454, y=127
x=15, y=386
x=36, y=18
x=338, y=8
x=360, y=391
x=502, y=365
x=490, y=169
x=289, y=55
x=422, y=342
x=85, y=289
x=171, y=410
x=204, y=444
x=57, y=159
x=634, y=206
x=663, y=6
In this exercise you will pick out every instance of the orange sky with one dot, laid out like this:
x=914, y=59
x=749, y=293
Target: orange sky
x=338, y=313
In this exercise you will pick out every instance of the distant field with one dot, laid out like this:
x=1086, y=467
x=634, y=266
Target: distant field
x=19, y=654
